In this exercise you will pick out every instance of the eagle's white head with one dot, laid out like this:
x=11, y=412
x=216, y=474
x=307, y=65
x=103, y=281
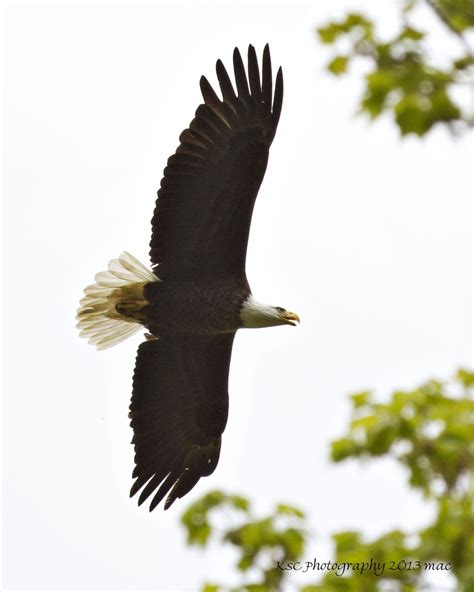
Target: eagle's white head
x=254, y=315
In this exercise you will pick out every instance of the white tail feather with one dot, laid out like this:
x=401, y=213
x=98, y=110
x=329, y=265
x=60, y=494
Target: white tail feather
x=99, y=320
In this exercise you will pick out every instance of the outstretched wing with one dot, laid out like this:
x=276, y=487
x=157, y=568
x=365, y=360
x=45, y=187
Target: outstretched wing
x=178, y=412
x=202, y=217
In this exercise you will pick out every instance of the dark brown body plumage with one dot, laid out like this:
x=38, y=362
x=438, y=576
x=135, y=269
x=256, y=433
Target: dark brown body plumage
x=208, y=307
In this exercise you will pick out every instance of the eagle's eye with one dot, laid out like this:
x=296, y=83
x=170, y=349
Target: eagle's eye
x=279, y=309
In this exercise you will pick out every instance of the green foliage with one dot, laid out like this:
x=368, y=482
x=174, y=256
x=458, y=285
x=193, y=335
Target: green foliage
x=458, y=15
x=338, y=65
x=402, y=80
x=196, y=517
x=260, y=543
x=428, y=431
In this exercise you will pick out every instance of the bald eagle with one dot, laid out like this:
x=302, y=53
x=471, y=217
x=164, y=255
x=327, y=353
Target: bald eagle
x=196, y=296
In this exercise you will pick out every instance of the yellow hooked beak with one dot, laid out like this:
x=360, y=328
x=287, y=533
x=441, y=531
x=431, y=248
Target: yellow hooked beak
x=290, y=318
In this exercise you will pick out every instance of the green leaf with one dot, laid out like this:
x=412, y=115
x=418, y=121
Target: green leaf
x=338, y=65
x=464, y=62
x=293, y=542
x=465, y=377
x=380, y=439
x=352, y=22
x=458, y=14
x=411, y=34
x=355, y=19
x=254, y=588
x=411, y=119
x=346, y=541
x=343, y=448
x=245, y=562
x=330, y=33
x=239, y=502
x=210, y=588
x=199, y=535
x=289, y=510
x=443, y=107
x=361, y=399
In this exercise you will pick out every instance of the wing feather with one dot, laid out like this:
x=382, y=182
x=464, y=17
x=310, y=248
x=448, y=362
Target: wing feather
x=227, y=89
x=240, y=76
x=267, y=80
x=254, y=75
x=277, y=100
x=178, y=413
x=205, y=202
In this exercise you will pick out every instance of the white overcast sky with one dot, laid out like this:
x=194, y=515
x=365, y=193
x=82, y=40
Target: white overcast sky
x=367, y=237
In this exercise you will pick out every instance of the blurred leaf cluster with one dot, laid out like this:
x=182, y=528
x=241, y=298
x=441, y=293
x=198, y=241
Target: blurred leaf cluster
x=402, y=79
x=260, y=543
x=429, y=431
